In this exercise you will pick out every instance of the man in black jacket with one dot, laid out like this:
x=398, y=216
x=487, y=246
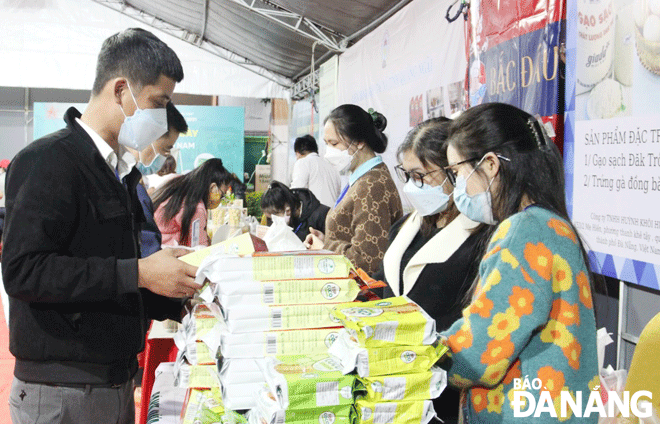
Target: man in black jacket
x=80, y=299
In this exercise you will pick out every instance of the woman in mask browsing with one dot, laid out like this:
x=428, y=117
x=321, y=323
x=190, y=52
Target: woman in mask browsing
x=358, y=225
x=299, y=207
x=182, y=203
x=434, y=251
x=531, y=315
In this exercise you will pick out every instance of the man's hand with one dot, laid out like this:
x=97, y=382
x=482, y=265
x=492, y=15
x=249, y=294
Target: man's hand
x=164, y=274
x=314, y=240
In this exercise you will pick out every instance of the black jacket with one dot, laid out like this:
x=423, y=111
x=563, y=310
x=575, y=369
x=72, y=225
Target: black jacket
x=70, y=264
x=312, y=215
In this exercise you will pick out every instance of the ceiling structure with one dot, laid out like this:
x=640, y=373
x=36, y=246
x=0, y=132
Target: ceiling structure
x=274, y=38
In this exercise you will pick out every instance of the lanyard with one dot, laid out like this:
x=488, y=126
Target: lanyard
x=343, y=193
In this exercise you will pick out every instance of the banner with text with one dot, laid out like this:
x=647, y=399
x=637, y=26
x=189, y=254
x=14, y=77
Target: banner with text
x=410, y=68
x=612, y=135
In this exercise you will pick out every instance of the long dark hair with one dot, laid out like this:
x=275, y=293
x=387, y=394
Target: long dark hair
x=353, y=123
x=534, y=169
x=428, y=142
x=187, y=191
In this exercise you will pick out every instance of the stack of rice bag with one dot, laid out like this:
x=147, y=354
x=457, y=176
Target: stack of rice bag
x=265, y=302
x=204, y=406
x=392, y=345
x=305, y=389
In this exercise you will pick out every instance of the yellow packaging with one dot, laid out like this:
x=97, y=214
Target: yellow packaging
x=292, y=266
x=204, y=406
x=197, y=376
x=253, y=318
x=285, y=342
x=412, y=412
x=416, y=386
x=239, y=245
x=387, y=322
x=386, y=360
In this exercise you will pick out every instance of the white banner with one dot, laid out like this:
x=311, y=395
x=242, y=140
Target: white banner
x=410, y=68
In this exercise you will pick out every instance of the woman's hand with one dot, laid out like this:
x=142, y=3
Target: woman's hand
x=314, y=240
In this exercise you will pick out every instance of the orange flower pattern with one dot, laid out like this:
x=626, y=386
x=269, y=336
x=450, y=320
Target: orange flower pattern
x=551, y=380
x=496, y=350
x=532, y=318
x=565, y=313
x=522, y=301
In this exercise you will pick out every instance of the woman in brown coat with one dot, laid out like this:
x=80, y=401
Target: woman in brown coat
x=359, y=224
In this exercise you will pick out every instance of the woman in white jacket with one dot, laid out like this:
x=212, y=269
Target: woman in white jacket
x=434, y=251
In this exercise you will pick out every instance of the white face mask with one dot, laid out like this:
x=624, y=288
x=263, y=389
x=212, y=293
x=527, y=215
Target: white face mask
x=340, y=159
x=155, y=165
x=427, y=200
x=143, y=127
x=478, y=207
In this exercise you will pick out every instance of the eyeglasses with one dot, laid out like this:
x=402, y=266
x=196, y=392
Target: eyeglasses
x=451, y=174
x=417, y=177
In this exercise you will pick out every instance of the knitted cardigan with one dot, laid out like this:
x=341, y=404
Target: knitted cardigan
x=531, y=317
x=359, y=225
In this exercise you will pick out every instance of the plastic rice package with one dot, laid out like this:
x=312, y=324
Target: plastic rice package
x=268, y=411
x=386, y=322
x=204, y=406
x=220, y=268
x=241, y=370
x=240, y=396
x=282, y=342
x=407, y=412
x=308, y=382
x=386, y=360
x=417, y=386
x=287, y=292
x=195, y=376
x=202, y=320
x=255, y=318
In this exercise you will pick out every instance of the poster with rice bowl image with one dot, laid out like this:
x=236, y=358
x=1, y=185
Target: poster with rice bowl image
x=612, y=136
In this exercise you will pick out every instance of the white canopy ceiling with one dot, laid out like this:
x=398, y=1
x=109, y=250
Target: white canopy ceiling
x=55, y=43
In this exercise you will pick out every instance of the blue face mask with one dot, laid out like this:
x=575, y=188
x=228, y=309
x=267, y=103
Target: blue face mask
x=478, y=207
x=427, y=200
x=154, y=166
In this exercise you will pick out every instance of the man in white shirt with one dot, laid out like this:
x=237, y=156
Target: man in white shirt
x=314, y=172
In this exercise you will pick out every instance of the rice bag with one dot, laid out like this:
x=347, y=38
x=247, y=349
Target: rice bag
x=287, y=292
x=412, y=412
x=282, y=342
x=308, y=382
x=385, y=360
x=416, y=386
x=386, y=322
x=195, y=376
x=220, y=268
x=240, y=396
x=204, y=406
x=269, y=411
x=241, y=370
x=255, y=318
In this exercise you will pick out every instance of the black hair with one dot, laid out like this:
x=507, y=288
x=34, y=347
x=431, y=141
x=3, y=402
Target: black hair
x=305, y=144
x=175, y=119
x=428, y=142
x=533, y=168
x=187, y=191
x=356, y=124
x=137, y=55
x=277, y=197
x=169, y=166
x=237, y=187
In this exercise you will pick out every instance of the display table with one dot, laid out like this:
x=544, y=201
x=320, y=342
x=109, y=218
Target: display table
x=159, y=348
x=166, y=401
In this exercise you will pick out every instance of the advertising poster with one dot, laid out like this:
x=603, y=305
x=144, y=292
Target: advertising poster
x=515, y=57
x=410, y=68
x=612, y=138
x=213, y=131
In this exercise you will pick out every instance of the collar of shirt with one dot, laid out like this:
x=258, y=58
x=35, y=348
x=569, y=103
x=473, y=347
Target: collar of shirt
x=123, y=164
x=363, y=169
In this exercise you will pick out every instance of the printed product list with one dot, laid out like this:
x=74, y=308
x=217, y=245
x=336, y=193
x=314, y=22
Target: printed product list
x=616, y=186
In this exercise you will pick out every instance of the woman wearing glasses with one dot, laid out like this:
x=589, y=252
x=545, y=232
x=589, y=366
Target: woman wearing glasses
x=434, y=251
x=359, y=223
x=531, y=315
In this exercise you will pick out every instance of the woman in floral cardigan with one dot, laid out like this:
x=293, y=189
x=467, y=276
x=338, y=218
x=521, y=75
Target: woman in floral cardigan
x=531, y=314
